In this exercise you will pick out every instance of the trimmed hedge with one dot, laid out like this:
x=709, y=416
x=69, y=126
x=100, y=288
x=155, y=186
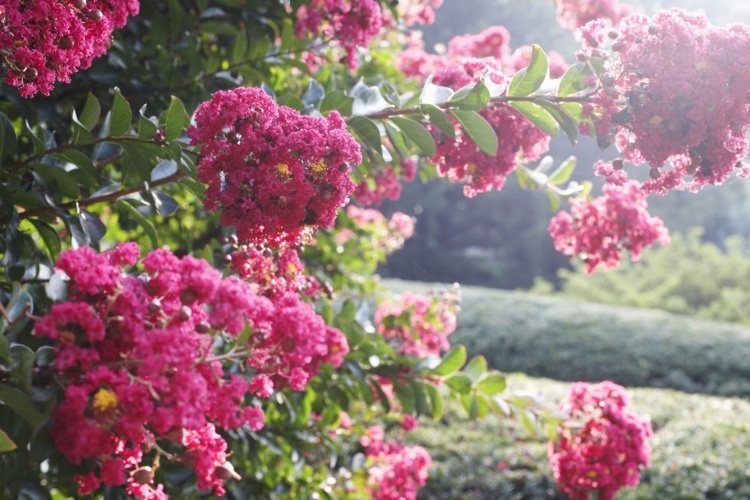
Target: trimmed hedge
x=701, y=449
x=570, y=340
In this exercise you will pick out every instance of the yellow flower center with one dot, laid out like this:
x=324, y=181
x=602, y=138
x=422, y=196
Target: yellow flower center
x=656, y=121
x=282, y=170
x=702, y=64
x=104, y=400
x=318, y=167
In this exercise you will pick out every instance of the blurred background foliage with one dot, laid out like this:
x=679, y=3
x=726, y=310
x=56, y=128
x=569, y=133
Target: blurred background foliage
x=500, y=239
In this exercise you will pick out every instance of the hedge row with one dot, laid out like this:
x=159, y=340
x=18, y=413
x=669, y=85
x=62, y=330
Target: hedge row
x=701, y=449
x=571, y=340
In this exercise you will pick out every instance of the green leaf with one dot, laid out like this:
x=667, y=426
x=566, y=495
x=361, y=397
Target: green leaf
x=405, y=395
x=120, y=116
x=459, y=382
x=474, y=97
x=314, y=93
x=20, y=302
x=91, y=113
x=92, y=226
x=80, y=134
x=165, y=205
x=239, y=49
x=58, y=180
x=452, y=361
x=148, y=228
x=163, y=169
x=574, y=79
x=137, y=158
x=176, y=119
x=554, y=200
x=50, y=237
x=6, y=444
x=398, y=140
x=146, y=127
x=436, y=401
x=367, y=131
x=21, y=404
x=434, y=94
x=4, y=346
x=8, y=137
x=538, y=116
x=367, y=99
x=84, y=164
x=421, y=406
x=438, y=118
x=563, y=119
x=336, y=100
x=529, y=79
x=562, y=174
x=491, y=383
x=476, y=367
x=478, y=130
x=22, y=362
x=417, y=133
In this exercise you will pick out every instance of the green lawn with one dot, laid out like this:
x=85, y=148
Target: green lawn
x=701, y=446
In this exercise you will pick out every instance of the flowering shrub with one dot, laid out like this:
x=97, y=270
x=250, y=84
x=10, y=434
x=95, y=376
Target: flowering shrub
x=240, y=341
x=419, y=325
x=469, y=58
x=270, y=170
x=394, y=471
x=140, y=359
x=601, y=446
x=694, y=130
x=45, y=41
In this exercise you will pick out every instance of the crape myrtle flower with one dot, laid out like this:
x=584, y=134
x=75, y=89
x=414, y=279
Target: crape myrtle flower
x=141, y=362
x=46, y=41
x=272, y=172
x=602, y=446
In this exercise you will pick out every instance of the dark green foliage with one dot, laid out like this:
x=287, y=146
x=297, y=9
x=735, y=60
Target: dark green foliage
x=571, y=340
x=686, y=277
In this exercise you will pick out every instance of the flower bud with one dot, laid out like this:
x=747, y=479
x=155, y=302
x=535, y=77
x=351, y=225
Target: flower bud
x=226, y=471
x=175, y=435
x=30, y=74
x=95, y=15
x=154, y=306
x=66, y=43
x=142, y=475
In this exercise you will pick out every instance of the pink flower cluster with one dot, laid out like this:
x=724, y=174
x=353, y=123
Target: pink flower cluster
x=376, y=189
x=351, y=23
x=273, y=273
x=469, y=58
x=45, y=41
x=598, y=230
x=394, y=471
x=418, y=11
x=602, y=446
x=674, y=95
x=373, y=230
x=141, y=360
x=419, y=325
x=573, y=14
x=271, y=171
